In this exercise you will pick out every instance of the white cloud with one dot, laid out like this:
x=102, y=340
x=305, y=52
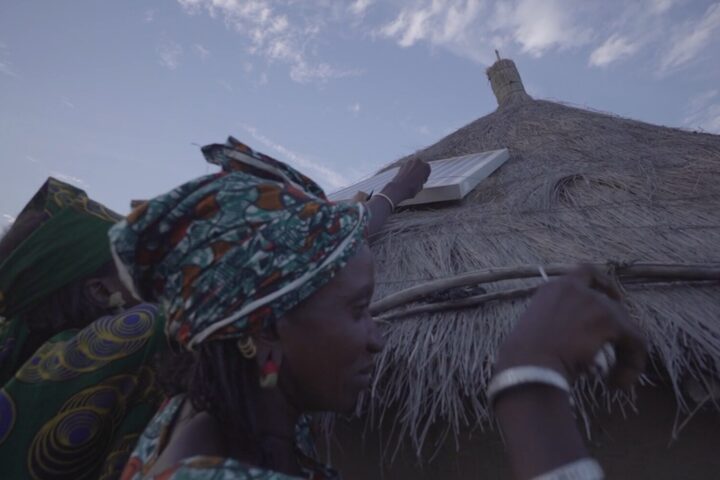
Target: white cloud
x=226, y=85
x=359, y=7
x=614, y=31
x=303, y=72
x=540, y=25
x=691, y=39
x=169, y=54
x=200, y=50
x=315, y=170
x=69, y=179
x=474, y=28
x=149, y=16
x=703, y=112
x=8, y=218
x=661, y=6
x=276, y=36
x=6, y=69
x=615, y=48
x=5, y=66
x=354, y=108
x=31, y=159
x=263, y=79
x=67, y=102
x=292, y=33
x=439, y=22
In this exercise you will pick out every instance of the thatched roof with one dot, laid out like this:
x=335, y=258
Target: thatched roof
x=580, y=186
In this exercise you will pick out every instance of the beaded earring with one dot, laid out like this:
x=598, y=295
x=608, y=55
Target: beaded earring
x=247, y=347
x=269, y=374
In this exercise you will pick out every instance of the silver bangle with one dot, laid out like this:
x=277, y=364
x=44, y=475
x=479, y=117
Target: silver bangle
x=392, y=204
x=516, y=376
x=583, y=469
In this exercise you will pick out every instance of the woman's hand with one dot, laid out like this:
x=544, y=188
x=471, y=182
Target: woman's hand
x=409, y=180
x=405, y=185
x=567, y=323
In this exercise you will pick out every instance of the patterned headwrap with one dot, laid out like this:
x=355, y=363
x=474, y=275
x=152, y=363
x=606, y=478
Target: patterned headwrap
x=228, y=254
x=69, y=243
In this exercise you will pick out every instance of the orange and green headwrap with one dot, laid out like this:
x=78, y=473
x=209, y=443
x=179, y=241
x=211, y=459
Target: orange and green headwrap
x=228, y=254
x=69, y=244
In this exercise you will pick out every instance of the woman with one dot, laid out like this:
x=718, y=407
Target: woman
x=267, y=285
x=56, y=271
x=77, y=387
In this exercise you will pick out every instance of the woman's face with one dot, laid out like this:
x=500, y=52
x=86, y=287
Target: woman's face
x=329, y=341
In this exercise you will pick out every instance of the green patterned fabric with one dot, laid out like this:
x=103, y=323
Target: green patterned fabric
x=228, y=254
x=206, y=467
x=70, y=243
x=76, y=408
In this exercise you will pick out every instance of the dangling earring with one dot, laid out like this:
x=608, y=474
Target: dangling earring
x=116, y=302
x=247, y=347
x=269, y=373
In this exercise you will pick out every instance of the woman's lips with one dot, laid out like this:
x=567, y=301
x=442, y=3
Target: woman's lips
x=365, y=376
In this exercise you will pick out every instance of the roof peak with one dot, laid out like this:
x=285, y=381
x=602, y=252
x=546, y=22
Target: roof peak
x=506, y=82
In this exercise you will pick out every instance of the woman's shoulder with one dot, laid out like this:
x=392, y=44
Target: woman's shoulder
x=199, y=467
x=215, y=468
x=204, y=468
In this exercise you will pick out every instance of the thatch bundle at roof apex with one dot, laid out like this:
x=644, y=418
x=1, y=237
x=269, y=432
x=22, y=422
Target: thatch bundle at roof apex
x=579, y=186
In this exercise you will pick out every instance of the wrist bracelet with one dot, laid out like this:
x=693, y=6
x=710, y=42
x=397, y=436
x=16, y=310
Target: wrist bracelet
x=516, y=376
x=583, y=469
x=392, y=204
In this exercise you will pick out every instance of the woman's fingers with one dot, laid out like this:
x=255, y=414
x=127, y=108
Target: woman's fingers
x=631, y=351
x=414, y=173
x=626, y=339
x=591, y=277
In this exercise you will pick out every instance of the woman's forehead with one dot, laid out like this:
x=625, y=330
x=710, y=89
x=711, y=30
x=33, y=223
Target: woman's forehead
x=354, y=281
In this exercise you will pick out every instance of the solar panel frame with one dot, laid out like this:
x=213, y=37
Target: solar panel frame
x=451, y=178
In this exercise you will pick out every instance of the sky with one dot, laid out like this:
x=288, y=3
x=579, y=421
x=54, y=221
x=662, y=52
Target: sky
x=116, y=97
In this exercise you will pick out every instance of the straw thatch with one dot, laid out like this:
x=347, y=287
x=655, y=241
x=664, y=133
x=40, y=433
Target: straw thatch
x=580, y=186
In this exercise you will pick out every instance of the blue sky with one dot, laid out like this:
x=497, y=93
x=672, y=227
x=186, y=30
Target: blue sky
x=115, y=97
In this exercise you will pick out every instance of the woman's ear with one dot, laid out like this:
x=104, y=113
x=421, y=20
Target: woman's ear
x=98, y=292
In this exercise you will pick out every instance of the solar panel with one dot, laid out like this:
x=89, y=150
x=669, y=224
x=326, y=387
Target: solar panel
x=451, y=178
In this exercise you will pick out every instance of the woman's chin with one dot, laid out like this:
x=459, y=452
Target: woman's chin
x=355, y=395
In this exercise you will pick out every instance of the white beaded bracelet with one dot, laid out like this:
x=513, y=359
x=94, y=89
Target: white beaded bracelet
x=583, y=469
x=516, y=376
x=392, y=204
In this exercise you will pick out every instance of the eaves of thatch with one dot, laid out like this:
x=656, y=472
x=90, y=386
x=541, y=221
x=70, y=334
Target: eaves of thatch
x=580, y=186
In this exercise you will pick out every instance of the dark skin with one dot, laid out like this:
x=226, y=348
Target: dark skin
x=564, y=327
x=325, y=350
x=407, y=183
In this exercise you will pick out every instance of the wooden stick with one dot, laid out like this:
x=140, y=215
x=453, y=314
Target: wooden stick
x=460, y=303
x=674, y=272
